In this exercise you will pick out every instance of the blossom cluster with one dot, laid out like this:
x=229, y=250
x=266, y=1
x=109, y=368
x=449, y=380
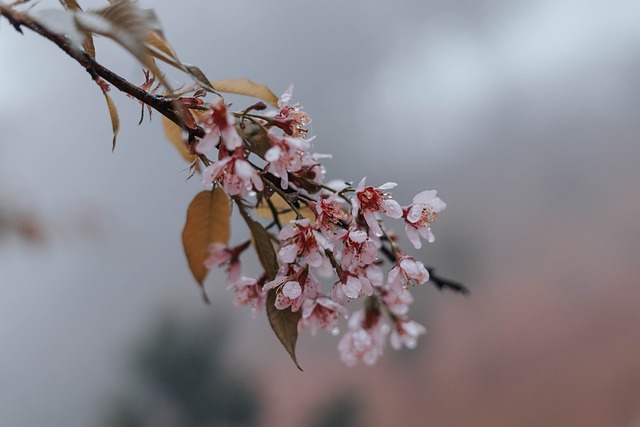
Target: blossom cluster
x=334, y=251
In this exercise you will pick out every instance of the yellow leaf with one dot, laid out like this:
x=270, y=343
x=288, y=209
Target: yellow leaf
x=71, y=4
x=115, y=120
x=160, y=49
x=208, y=221
x=174, y=134
x=248, y=88
x=89, y=46
x=287, y=215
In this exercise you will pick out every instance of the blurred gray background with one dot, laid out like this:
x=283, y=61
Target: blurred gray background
x=524, y=115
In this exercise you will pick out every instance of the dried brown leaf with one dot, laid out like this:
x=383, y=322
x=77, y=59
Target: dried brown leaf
x=160, y=49
x=71, y=4
x=284, y=324
x=174, y=135
x=248, y=88
x=89, y=46
x=115, y=119
x=198, y=76
x=208, y=221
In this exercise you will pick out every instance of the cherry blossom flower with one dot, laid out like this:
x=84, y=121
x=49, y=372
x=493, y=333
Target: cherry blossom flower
x=249, y=292
x=329, y=213
x=406, y=332
x=291, y=119
x=300, y=239
x=219, y=255
x=286, y=155
x=370, y=200
x=219, y=125
x=364, y=341
x=420, y=215
x=359, y=249
x=321, y=313
x=396, y=300
x=311, y=176
x=237, y=176
x=293, y=285
x=407, y=271
x=351, y=286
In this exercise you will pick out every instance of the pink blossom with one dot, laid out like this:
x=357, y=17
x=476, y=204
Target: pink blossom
x=286, y=155
x=407, y=271
x=397, y=300
x=320, y=312
x=290, y=118
x=219, y=125
x=237, y=176
x=329, y=213
x=370, y=200
x=249, y=292
x=300, y=239
x=219, y=255
x=311, y=175
x=351, y=286
x=364, y=341
x=420, y=215
x=359, y=249
x=293, y=285
x=406, y=332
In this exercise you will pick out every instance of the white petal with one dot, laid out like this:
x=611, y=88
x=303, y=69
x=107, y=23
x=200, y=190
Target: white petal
x=388, y=186
x=292, y=290
x=273, y=154
x=288, y=253
x=414, y=237
x=393, y=209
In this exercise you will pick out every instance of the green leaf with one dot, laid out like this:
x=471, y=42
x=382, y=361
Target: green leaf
x=284, y=324
x=248, y=88
x=264, y=248
x=208, y=221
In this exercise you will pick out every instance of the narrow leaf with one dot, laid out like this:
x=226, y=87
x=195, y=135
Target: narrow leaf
x=284, y=324
x=198, y=76
x=115, y=120
x=89, y=46
x=160, y=49
x=208, y=221
x=71, y=4
x=248, y=88
x=264, y=248
x=262, y=242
